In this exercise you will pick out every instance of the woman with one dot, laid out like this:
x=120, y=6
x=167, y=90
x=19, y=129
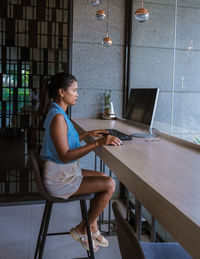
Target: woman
x=61, y=150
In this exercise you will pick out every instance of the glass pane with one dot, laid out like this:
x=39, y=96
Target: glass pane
x=21, y=94
x=9, y=108
x=7, y=121
x=10, y=79
x=28, y=95
x=186, y=98
x=165, y=54
x=20, y=105
x=7, y=94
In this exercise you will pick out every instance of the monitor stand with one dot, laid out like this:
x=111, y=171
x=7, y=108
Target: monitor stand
x=150, y=134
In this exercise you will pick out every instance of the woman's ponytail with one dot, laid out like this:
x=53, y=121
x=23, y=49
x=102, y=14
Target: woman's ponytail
x=44, y=103
x=44, y=98
x=40, y=113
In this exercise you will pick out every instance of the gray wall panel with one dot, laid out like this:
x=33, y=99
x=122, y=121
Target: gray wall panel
x=90, y=103
x=160, y=2
x=96, y=66
x=188, y=23
x=186, y=117
x=116, y=22
x=152, y=67
x=154, y=32
x=86, y=27
x=189, y=3
x=187, y=68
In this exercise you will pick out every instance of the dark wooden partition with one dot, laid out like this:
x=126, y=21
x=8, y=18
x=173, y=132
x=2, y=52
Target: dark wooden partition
x=33, y=45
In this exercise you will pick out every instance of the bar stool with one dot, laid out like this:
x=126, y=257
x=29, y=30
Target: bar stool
x=130, y=247
x=50, y=200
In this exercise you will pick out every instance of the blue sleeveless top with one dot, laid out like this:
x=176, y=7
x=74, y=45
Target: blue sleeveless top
x=48, y=151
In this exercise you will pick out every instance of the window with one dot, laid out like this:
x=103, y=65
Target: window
x=166, y=54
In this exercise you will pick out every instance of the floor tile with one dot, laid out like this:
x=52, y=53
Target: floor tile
x=20, y=226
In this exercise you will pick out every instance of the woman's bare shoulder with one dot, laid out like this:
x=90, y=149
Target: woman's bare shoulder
x=58, y=119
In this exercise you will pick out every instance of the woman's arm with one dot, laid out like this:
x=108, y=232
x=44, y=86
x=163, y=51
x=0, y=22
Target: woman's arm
x=58, y=131
x=83, y=135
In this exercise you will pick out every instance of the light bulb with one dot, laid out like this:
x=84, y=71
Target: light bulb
x=100, y=15
x=141, y=14
x=95, y=2
x=107, y=41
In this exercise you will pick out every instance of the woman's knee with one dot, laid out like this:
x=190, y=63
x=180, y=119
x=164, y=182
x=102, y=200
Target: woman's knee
x=111, y=185
x=102, y=174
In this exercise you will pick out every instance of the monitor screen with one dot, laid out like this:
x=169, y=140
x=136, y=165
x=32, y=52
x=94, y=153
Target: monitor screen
x=141, y=105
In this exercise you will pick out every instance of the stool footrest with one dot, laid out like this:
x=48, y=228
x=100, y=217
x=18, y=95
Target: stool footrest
x=59, y=233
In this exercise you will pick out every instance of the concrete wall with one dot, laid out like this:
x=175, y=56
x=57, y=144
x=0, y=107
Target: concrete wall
x=166, y=54
x=96, y=67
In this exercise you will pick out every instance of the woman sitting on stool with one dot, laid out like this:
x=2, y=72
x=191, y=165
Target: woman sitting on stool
x=61, y=150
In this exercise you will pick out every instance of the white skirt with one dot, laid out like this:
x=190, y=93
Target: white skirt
x=62, y=180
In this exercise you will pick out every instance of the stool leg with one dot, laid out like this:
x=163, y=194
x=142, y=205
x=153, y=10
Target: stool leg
x=138, y=219
x=46, y=225
x=41, y=230
x=109, y=209
x=153, y=229
x=127, y=205
x=101, y=215
x=85, y=217
x=99, y=222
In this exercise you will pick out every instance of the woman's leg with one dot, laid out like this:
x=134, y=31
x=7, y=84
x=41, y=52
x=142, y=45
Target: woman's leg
x=94, y=226
x=104, y=188
x=86, y=172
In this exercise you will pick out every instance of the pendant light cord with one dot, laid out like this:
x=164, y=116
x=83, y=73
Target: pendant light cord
x=107, y=15
x=142, y=3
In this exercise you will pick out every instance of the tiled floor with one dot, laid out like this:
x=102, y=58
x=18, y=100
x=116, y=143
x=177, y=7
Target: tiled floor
x=19, y=226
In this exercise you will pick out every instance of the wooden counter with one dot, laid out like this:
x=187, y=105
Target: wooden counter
x=164, y=175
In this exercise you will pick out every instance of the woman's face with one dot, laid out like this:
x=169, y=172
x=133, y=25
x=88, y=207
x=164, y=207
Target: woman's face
x=71, y=94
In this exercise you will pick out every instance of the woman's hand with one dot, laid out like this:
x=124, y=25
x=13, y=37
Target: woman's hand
x=93, y=133
x=97, y=133
x=109, y=140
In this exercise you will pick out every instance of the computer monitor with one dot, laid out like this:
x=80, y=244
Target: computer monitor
x=141, y=108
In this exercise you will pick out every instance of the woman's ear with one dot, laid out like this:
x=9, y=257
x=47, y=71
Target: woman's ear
x=60, y=92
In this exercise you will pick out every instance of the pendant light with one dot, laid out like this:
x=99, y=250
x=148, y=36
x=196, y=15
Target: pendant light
x=107, y=41
x=142, y=14
x=95, y=2
x=100, y=15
